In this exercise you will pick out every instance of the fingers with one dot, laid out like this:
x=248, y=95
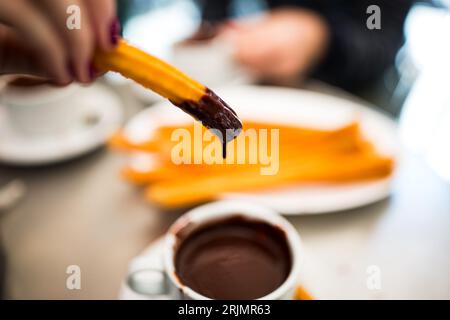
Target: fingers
x=277, y=59
x=39, y=35
x=64, y=54
x=99, y=28
x=250, y=44
x=79, y=42
x=15, y=58
x=252, y=50
x=105, y=24
x=297, y=42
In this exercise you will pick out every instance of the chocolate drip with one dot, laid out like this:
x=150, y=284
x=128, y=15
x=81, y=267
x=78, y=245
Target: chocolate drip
x=224, y=150
x=216, y=114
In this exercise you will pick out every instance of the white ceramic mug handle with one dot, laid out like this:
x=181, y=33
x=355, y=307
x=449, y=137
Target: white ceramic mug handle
x=150, y=282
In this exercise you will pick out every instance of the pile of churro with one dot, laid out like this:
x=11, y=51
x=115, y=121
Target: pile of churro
x=183, y=176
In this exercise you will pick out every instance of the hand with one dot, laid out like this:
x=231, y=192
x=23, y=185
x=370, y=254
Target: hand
x=282, y=46
x=35, y=40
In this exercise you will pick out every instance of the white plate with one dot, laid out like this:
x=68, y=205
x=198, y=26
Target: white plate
x=296, y=107
x=99, y=115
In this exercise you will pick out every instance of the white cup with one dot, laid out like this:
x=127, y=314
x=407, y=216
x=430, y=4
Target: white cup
x=210, y=62
x=165, y=284
x=41, y=109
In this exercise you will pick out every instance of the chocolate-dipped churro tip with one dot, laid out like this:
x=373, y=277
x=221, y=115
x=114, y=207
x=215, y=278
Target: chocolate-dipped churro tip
x=215, y=114
x=187, y=94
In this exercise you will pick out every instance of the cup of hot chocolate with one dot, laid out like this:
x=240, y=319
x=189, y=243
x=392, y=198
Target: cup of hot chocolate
x=225, y=250
x=36, y=108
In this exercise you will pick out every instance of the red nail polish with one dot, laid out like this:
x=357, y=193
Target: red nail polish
x=115, y=32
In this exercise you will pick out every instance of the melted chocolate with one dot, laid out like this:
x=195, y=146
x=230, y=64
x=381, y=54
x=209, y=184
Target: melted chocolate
x=215, y=114
x=234, y=258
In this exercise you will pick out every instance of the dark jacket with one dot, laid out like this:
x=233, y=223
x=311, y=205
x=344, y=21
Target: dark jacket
x=357, y=56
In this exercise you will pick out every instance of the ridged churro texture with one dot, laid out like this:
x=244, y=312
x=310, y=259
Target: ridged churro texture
x=187, y=94
x=305, y=156
x=150, y=72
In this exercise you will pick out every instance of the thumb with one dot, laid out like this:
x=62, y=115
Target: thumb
x=15, y=57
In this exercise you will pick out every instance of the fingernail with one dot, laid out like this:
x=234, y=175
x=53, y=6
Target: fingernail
x=115, y=32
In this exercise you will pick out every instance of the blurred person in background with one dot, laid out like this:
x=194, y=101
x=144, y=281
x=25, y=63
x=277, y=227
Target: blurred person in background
x=297, y=39
x=323, y=39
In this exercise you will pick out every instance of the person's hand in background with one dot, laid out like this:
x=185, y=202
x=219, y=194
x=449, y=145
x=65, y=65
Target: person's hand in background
x=35, y=39
x=280, y=47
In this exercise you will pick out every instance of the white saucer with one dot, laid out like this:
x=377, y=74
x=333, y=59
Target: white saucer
x=298, y=107
x=100, y=114
x=151, y=258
